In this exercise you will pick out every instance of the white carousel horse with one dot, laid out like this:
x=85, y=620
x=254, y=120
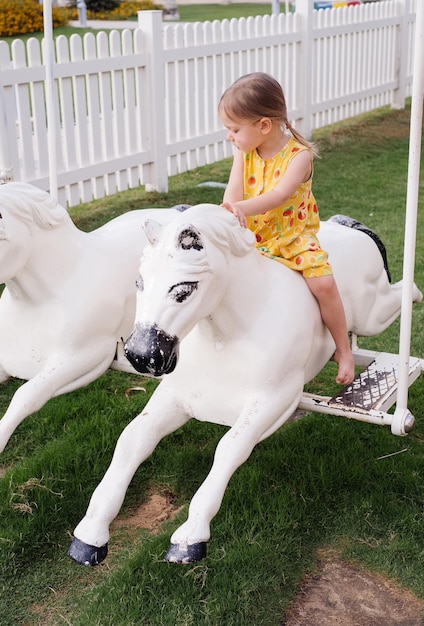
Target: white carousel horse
x=69, y=297
x=237, y=336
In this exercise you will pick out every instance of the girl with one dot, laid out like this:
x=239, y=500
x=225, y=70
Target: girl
x=269, y=191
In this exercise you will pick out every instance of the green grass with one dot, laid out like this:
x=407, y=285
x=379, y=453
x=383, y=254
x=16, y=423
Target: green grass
x=318, y=482
x=204, y=12
x=188, y=13
x=63, y=30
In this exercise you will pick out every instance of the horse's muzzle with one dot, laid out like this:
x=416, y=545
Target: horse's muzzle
x=151, y=351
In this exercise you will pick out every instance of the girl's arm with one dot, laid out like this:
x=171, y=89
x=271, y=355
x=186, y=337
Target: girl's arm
x=298, y=171
x=234, y=191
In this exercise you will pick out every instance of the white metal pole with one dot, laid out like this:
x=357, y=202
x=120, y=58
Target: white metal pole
x=49, y=94
x=411, y=207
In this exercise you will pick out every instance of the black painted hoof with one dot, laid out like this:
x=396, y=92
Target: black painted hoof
x=84, y=554
x=186, y=553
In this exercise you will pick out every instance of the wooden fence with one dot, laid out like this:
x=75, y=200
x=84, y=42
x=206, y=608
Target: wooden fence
x=136, y=106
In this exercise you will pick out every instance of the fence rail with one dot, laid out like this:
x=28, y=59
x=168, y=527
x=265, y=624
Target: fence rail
x=137, y=106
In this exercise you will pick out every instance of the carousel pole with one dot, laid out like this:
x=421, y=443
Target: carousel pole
x=411, y=213
x=49, y=95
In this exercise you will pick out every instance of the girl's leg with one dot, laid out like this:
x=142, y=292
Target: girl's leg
x=325, y=290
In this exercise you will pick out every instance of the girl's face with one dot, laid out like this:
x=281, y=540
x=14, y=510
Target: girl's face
x=246, y=136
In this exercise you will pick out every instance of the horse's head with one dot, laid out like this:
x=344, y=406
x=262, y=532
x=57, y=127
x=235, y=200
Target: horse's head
x=21, y=207
x=183, y=276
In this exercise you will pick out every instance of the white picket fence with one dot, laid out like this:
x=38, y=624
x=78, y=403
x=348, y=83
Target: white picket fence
x=137, y=106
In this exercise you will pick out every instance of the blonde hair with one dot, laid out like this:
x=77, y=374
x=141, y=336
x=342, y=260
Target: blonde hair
x=255, y=96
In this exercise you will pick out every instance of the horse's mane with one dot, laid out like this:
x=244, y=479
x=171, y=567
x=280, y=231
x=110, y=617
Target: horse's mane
x=220, y=227
x=32, y=204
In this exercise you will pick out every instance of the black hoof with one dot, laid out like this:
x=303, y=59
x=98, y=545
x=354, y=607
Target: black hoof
x=185, y=553
x=84, y=554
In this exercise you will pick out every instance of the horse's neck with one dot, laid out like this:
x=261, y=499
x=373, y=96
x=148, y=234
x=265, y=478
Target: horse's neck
x=247, y=277
x=54, y=255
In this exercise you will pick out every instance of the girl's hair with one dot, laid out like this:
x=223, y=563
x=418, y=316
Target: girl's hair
x=255, y=96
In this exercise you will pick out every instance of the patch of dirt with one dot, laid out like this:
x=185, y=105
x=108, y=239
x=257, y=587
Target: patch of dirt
x=151, y=514
x=341, y=594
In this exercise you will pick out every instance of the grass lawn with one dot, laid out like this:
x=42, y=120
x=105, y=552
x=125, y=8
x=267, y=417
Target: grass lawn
x=204, y=12
x=320, y=482
x=188, y=13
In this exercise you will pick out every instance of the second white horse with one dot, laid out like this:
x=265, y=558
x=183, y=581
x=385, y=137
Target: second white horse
x=69, y=299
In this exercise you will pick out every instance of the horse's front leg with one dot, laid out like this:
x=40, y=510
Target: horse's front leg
x=29, y=398
x=61, y=375
x=161, y=416
x=258, y=420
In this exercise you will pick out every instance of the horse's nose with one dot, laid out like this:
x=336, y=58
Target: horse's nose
x=152, y=351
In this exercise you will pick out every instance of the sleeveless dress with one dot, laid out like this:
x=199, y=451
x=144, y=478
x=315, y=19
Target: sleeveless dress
x=288, y=233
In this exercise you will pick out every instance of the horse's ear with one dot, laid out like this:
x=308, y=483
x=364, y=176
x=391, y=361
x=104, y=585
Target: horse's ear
x=152, y=230
x=189, y=238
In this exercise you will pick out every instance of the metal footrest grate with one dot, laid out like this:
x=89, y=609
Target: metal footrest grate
x=371, y=387
x=371, y=394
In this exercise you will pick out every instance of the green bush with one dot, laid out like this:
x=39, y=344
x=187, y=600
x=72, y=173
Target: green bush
x=18, y=17
x=96, y=9
x=99, y=6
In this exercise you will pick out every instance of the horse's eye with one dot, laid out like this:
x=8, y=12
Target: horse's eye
x=139, y=283
x=182, y=291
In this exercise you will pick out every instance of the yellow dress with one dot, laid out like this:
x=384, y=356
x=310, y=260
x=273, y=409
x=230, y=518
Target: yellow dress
x=288, y=233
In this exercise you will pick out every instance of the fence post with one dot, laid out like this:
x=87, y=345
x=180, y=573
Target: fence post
x=6, y=171
x=304, y=96
x=49, y=87
x=401, y=52
x=150, y=22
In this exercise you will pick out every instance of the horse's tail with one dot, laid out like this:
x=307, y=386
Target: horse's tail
x=344, y=220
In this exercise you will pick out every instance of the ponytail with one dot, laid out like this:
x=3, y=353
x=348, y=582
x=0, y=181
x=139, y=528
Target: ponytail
x=301, y=139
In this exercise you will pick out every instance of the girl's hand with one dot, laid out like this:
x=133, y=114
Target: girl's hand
x=238, y=213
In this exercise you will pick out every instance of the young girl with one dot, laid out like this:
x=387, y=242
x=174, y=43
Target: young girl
x=269, y=191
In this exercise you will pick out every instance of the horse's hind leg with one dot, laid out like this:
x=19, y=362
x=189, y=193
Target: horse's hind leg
x=382, y=307
x=138, y=440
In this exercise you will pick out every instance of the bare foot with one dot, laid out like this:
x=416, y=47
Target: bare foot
x=346, y=365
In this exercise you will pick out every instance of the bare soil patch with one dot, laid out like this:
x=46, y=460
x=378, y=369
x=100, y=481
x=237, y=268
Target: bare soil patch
x=150, y=515
x=341, y=594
